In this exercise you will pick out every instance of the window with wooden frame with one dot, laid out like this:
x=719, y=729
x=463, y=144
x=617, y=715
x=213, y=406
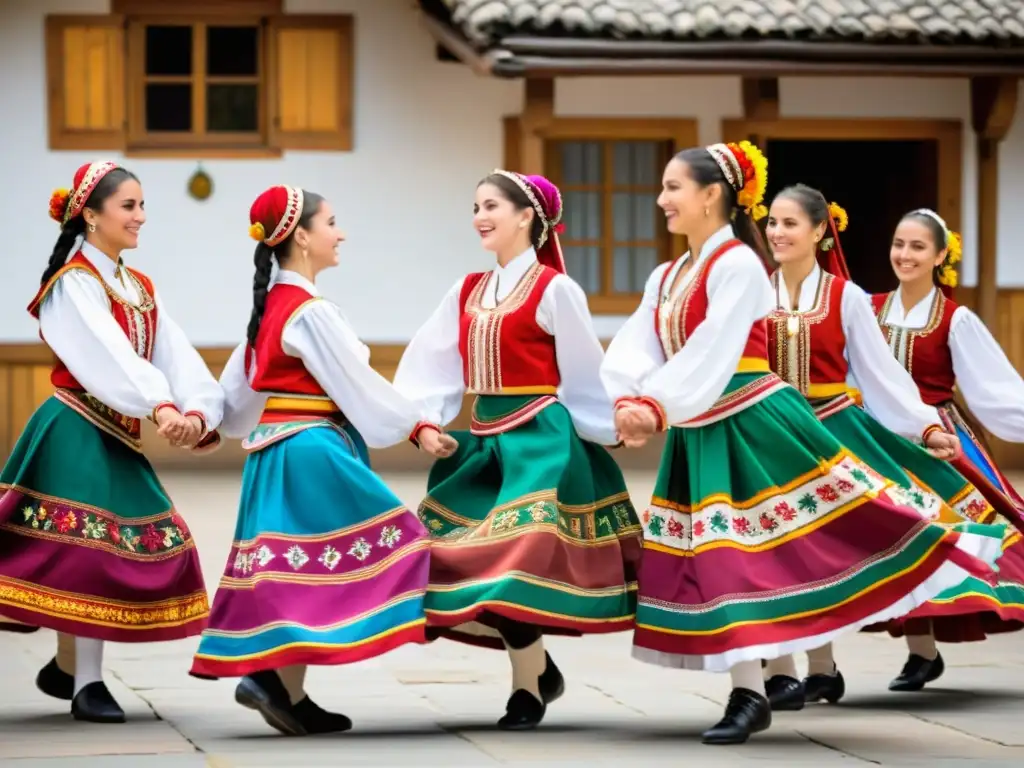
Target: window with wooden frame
x=609, y=173
x=220, y=78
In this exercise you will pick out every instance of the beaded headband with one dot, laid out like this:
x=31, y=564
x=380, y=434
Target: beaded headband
x=729, y=165
x=527, y=190
x=934, y=216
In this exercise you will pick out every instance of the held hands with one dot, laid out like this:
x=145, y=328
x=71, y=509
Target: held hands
x=180, y=431
x=635, y=425
x=437, y=444
x=942, y=445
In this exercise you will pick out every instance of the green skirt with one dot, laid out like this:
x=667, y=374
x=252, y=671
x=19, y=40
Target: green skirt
x=530, y=523
x=974, y=608
x=767, y=536
x=90, y=544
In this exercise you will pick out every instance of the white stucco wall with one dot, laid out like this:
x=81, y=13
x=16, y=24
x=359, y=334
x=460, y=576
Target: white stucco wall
x=425, y=132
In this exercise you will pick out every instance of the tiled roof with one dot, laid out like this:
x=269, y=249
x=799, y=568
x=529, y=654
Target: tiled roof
x=969, y=22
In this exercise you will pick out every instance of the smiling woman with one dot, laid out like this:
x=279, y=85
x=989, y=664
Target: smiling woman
x=91, y=544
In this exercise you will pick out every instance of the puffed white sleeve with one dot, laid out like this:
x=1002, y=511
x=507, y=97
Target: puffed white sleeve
x=195, y=389
x=340, y=362
x=243, y=406
x=564, y=312
x=739, y=294
x=986, y=378
x=76, y=323
x=889, y=391
x=430, y=371
x=635, y=351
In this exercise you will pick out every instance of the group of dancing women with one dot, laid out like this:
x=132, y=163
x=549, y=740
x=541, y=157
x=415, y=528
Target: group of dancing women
x=818, y=476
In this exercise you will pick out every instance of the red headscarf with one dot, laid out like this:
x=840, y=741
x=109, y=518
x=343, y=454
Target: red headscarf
x=547, y=204
x=65, y=204
x=276, y=212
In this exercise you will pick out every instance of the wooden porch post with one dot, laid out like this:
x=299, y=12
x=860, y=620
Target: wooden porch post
x=760, y=99
x=538, y=111
x=993, y=103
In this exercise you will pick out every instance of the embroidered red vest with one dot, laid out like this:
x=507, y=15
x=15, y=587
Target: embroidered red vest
x=675, y=321
x=504, y=350
x=137, y=321
x=924, y=352
x=296, y=393
x=806, y=348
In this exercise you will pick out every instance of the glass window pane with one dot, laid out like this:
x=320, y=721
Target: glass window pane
x=169, y=107
x=631, y=267
x=232, y=108
x=168, y=50
x=622, y=217
x=622, y=162
x=581, y=162
x=583, y=263
x=647, y=167
x=232, y=51
x=645, y=216
x=582, y=216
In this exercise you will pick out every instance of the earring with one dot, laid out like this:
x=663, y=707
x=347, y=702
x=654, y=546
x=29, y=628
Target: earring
x=522, y=224
x=706, y=213
x=92, y=227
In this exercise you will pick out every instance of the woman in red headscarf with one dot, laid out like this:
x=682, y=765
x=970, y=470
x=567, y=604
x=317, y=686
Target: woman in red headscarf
x=945, y=347
x=327, y=565
x=90, y=544
x=824, y=341
x=534, y=531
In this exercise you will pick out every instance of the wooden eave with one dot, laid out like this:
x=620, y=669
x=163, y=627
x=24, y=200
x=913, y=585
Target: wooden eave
x=525, y=56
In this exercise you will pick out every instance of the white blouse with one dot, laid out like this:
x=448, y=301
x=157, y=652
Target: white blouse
x=76, y=323
x=320, y=336
x=687, y=385
x=984, y=375
x=430, y=371
x=889, y=391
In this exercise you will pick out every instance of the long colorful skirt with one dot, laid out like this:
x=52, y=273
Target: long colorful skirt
x=529, y=523
x=327, y=566
x=973, y=610
x=766, y=537
x=90, y=544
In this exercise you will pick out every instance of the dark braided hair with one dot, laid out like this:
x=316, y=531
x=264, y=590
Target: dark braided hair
x=264, y=261
x=511, y=191
x=705, y=171
x=75, y=227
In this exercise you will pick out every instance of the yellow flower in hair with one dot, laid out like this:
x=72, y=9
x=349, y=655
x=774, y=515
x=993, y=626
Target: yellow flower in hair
x=839, y=216
x=954, y=248
x=752, y=194
x=257, y=233
x=758, y=212
x=948, y=276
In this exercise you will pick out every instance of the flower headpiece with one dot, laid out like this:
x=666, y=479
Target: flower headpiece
x=66, y=204
x=546, y=201
x=953, y=245
x=277, y=209
x=746, y=169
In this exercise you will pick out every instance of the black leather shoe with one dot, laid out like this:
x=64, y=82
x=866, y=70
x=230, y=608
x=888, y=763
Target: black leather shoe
x=265, y=693
x=523, y=712
x=785, y=693
x=551, y=682
x=917, y=672
x=55, y=682
x=315, y=719
x=94, y=704
x=747, y=712
x=19, y=629
x=830, y=688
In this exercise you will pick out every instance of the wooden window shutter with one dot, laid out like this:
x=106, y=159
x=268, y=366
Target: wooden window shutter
x=310, y=80
x=86, y=82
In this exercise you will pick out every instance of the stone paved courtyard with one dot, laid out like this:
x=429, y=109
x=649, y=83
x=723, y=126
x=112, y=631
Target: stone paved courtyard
x=435, y=705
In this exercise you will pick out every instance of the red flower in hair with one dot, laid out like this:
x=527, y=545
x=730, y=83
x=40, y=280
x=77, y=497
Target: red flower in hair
x=59, y=204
